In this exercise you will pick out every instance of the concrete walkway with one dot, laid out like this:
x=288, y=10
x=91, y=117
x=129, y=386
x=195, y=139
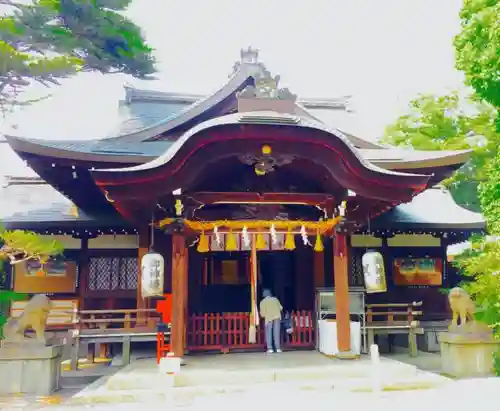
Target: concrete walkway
x=207, y=375
x=458, y=395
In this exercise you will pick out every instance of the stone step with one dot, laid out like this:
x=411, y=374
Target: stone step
x=136, y=378
x=185, y=395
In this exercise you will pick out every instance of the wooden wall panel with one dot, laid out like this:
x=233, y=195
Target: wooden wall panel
x=24, y=283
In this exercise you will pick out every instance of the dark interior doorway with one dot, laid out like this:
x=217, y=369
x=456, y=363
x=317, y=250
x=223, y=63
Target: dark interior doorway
x=276, y=273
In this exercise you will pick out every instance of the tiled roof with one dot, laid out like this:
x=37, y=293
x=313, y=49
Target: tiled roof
x=32, y=206
x=112, y=148
x=434, y=207
x=137, y=116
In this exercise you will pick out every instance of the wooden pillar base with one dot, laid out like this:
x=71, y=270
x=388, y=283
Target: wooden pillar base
x=347, y=355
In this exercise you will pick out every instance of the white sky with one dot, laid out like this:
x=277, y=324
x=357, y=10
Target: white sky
x=383, y=52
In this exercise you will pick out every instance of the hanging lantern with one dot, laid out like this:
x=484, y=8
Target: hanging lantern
x=318, y=244
x=152, y=269
x=231, y=243
x=203, y=246
x=289, y=241
x=374, y=272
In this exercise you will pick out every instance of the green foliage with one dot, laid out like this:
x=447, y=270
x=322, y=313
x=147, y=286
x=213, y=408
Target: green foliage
x=6, y=297
x=451, y=123
x=482, y=264
x=21, y=245
x=489, y=194
x=478, y=47
x=53, y=39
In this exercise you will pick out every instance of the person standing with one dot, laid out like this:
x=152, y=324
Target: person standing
x=270, y=310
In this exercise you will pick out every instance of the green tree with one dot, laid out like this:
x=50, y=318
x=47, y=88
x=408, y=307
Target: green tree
x=49, y=40
x=489, y=193
x=450, y=122
x=478, y=48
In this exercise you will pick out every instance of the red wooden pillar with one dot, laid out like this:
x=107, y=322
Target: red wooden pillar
x=341, y=272
x=179, y=293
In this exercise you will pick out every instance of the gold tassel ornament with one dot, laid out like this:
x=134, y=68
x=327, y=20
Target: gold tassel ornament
x=203, y=246
x=318, y=244
x=231, y=242
x=289, y=241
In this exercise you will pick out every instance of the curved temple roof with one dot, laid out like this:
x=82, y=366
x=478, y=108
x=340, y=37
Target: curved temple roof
x=164, y=122
x=244, y=133
x=155, y=119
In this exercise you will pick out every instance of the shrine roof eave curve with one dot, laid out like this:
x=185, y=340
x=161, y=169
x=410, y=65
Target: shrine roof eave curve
x=96, y=153
x=253, y=127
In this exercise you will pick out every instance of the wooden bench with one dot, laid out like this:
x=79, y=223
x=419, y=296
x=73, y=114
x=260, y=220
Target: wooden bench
x=394, y=318
x=104, y=327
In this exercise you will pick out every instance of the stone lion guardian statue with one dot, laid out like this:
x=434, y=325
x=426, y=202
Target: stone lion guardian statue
x=34, y=316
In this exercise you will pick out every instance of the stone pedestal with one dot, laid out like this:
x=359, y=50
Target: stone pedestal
x=467, y=354
x=29, y=368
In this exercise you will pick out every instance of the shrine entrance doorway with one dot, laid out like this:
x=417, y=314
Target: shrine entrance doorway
x=277, y=274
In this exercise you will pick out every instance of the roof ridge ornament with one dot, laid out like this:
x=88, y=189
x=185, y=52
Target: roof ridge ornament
x=266, y=85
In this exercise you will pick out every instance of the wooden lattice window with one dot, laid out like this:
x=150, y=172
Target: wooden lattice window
x=356, y=278
x=113, y=273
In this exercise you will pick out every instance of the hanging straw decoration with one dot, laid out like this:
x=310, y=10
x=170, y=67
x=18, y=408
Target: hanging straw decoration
x=260, y=243
x=254, y=314
x=203, y=245
x=289, y=241
x=231, y=242
x=318, y=244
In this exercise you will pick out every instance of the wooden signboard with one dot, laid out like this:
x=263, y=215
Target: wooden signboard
x=418, y=271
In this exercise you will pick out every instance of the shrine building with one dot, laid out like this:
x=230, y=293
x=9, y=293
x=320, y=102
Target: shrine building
x=247, y=189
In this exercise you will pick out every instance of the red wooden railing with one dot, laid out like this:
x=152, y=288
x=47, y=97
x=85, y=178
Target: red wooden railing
x=229, y=331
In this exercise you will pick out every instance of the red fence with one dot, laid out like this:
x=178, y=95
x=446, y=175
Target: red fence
x=229, y=331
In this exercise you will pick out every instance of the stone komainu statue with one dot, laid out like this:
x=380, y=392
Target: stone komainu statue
x=461, y=306
x=34, y=316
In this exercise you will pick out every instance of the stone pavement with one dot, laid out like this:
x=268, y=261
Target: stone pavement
x=296, y=381
x=458, y=395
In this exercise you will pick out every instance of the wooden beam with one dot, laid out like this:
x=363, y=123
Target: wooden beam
x=312, y=199
x=179, y=293
x=341, y=272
